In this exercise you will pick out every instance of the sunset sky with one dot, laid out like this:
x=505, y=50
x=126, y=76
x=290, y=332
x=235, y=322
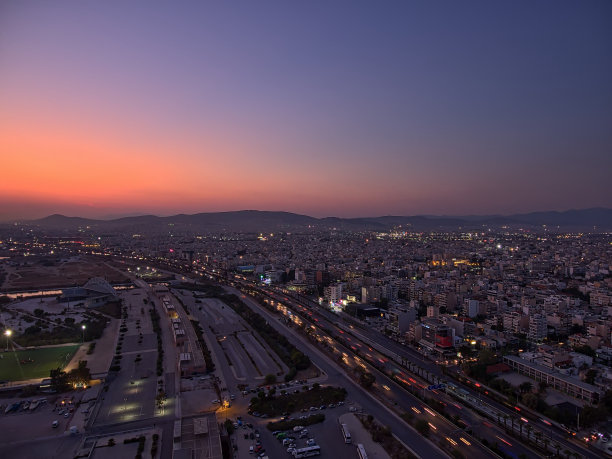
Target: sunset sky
x=318, y=107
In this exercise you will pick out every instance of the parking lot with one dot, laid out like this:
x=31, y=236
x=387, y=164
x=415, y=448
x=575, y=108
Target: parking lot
x=327, y=435
x=131, y=392
x=25, y=424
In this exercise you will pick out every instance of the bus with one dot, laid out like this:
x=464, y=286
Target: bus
x=307, y=451
x=361, y=452
x=345, y=433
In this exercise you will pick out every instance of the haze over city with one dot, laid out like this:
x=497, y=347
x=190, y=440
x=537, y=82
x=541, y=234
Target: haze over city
x=321, y=108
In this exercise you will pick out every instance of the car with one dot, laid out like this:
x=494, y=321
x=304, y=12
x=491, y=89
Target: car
x=331, y=405
x=311, y=442
x=322, y=407
x=232, y=397
x=340, y=403
x=66, y=415
x=290, y=450
x=216, y=401
x=604, y=439
x=313, y=408
x=251, y=450
x=54, y=424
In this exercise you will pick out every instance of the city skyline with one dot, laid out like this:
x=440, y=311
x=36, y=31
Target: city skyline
x=346, y=110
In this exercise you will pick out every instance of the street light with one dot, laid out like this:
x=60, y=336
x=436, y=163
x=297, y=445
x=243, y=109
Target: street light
x=83, y=327
x=8, y=334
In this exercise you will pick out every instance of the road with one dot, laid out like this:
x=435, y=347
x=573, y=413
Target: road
x=336, y=376
x=411, y=355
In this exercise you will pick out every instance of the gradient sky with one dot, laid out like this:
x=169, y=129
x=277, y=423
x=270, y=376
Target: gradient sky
x=317, y=107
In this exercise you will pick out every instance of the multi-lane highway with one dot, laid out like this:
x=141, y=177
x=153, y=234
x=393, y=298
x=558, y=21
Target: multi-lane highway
x=405, y=353
x=336, y=376
x=433, y=371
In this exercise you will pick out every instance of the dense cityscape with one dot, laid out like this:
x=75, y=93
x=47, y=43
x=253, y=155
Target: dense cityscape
x=492, y=341
x=287, y=229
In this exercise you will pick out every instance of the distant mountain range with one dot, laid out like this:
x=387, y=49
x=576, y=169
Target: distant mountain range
x=592, y=220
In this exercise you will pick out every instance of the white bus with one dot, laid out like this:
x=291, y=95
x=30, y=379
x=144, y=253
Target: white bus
x=361, y=452
x=307, y=452
x=345, y=433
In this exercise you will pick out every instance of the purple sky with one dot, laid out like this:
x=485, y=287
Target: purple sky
x=324, y=108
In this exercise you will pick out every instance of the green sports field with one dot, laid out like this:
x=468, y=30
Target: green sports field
x=36, y=363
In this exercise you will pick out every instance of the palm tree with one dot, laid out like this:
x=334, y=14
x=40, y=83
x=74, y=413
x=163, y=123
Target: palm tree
x=529, y=429
x=538, y=436
x=546, y=442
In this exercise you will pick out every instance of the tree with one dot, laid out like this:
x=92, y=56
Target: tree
x=586, y=350
x=526, y=387
x=538, y=437
x=592, y=415
x=529, y=429
x=590, y=376
x=59, y=380
x=530, y=400
x=606, y=400
x=270, y=378
x=80, y=376
x=542, y=387
x=366, y=379
x=160, y=399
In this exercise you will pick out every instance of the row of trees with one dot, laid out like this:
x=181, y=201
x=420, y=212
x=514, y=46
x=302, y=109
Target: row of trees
x=77, y=377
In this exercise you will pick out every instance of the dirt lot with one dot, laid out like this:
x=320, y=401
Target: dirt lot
x=54, y=273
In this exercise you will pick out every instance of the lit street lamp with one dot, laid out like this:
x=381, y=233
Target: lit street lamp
x=83, y=327
x=8, y=334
